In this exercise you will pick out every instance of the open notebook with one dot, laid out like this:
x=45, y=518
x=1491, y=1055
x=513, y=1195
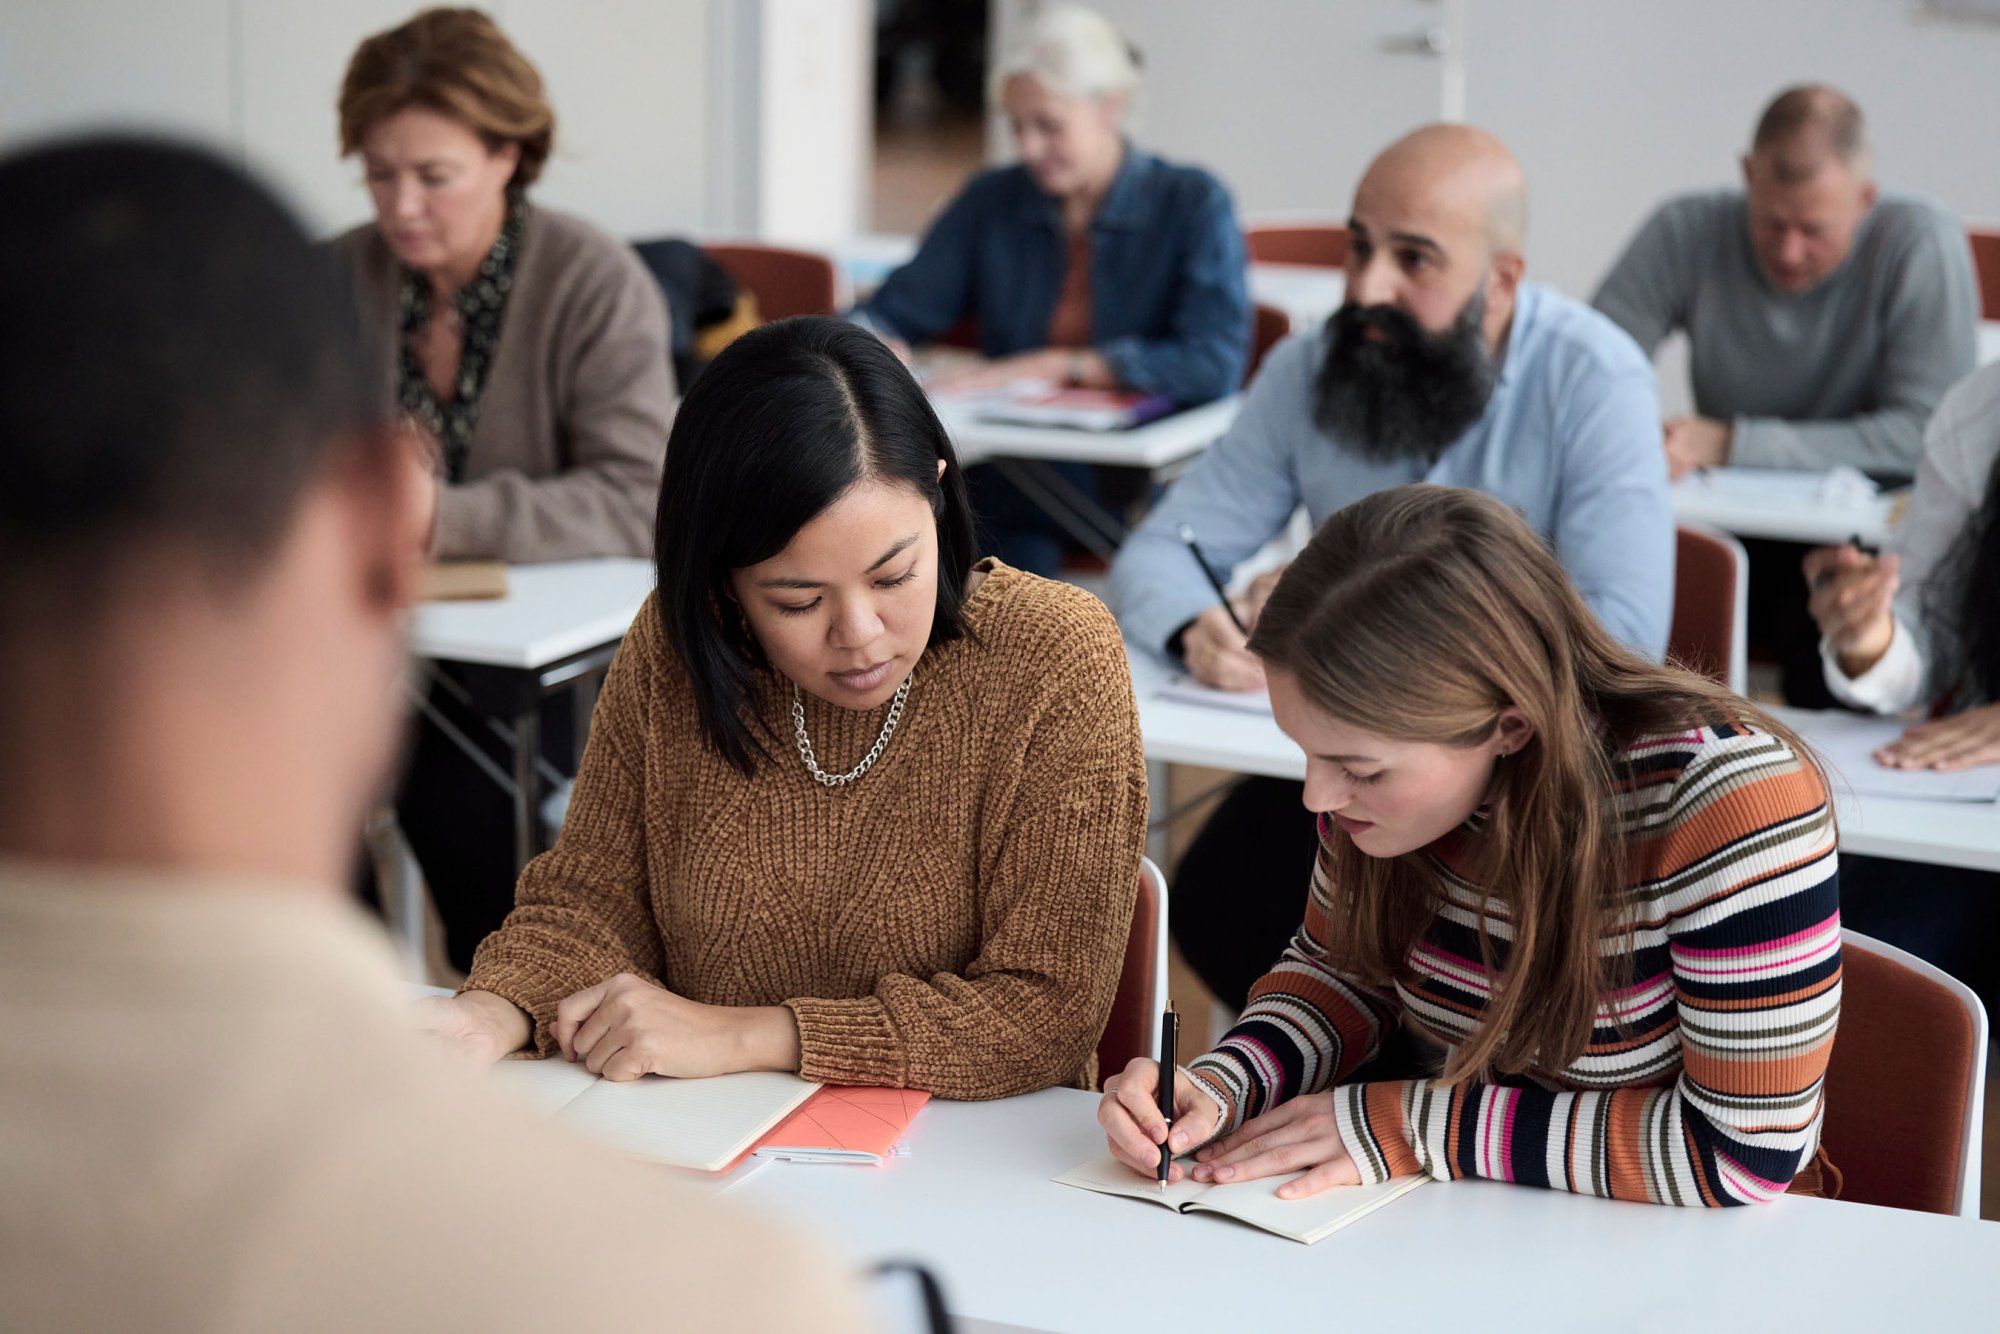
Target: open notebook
x=1186, y=690
x=1253, y=1202
x=704, y=1124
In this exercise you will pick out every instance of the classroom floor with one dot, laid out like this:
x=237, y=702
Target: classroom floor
x=919, y=168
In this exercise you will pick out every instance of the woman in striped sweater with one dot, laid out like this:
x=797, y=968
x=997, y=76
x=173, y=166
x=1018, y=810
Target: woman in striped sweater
x=1598, y=896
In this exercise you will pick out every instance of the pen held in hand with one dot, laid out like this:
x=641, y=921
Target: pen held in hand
x=1169, y=1030
x=1186, y=535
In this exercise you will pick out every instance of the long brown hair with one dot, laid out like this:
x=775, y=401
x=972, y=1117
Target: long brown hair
x=1420, y=614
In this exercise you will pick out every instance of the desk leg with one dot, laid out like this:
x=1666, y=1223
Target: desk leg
x=1093, y=527
x=527, y=784
x=1158, y=824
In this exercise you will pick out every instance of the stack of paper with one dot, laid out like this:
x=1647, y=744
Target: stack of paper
x=1185, y=689
x=1847, y=742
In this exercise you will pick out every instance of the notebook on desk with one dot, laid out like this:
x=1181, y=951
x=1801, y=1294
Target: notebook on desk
x=1076, y=409
x=845, y=1125
x=1253, y=1202
x=1185, y=689
x=464, y=580
x=703, y=1124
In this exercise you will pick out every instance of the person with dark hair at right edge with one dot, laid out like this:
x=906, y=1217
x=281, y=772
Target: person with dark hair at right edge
x=214, y=1115
x=853, y=805
x=1825, y=319
x=1920, y=626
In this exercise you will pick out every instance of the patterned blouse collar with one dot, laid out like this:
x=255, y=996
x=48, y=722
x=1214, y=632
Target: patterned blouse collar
x=480, y=305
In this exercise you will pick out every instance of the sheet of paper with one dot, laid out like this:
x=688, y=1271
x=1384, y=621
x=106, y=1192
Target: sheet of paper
x=1842, y=485
x=1185, y=689
x=542, y=1086
x=1847, y=742
x=1107, y=1176
x=698, y=1123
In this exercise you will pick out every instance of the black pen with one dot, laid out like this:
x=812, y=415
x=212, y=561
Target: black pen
x=1187, y=536
x=1169, y=1026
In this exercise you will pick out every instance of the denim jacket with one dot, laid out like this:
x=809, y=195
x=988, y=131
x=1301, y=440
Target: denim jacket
x=1169, y=297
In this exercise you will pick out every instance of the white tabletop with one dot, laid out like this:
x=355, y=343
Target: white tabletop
x=1154, y=445
x=1717, y=500
x=1941, y=833
x=973, y=1201
x=1989, y=341
x=550, y=612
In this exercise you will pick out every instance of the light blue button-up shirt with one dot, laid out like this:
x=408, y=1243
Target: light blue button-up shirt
x=1571, y=438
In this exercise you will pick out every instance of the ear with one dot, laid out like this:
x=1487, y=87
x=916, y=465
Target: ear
x=1114, y=105
x=1512, y=732
x=1747, y=164
x=1868, y=194
x=508, y=153
x=940, y=475
x=1504, y=276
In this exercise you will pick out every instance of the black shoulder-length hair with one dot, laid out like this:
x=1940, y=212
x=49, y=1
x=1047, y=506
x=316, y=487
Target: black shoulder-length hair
x=1960, y=604
x=778, y=427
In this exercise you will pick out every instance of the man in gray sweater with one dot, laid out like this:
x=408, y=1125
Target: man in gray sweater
x=1826, y=320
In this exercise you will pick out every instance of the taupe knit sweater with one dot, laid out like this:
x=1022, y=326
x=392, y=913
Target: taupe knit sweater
x=953, y=921
x=572, y=429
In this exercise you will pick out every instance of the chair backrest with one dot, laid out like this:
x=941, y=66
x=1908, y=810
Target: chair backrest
x=1134, y=1026
x=785, y=282
x=1267, y=325
x=1906, y=1083
x=1711, y=598
x=1986, y=269
x=1321, y=244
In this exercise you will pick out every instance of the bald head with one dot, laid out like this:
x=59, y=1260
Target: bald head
x=1807, y=128
x=1462, y=171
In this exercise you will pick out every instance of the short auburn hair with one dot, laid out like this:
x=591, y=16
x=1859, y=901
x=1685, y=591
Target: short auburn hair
x=458, y=63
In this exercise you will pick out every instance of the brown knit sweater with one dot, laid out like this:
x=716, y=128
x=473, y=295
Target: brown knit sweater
x=953, y=921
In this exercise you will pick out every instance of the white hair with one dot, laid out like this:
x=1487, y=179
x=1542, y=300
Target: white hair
x=1072, y=51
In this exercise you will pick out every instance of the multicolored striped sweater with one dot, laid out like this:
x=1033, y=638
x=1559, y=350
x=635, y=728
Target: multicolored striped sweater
x=1709, y=1093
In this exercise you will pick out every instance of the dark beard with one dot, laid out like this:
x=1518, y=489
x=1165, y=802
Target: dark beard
x=1407, y=397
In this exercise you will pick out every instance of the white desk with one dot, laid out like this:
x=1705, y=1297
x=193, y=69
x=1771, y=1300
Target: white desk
x=559, y=621
x=550, y=612
x=973, y=1201
x=1815, y=521
x=1941, y=833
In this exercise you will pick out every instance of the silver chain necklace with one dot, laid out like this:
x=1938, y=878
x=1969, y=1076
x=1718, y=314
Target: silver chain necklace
x=820, y=775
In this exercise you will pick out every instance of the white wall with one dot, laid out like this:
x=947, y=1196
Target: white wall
x=1610, y=106
x=629, y=80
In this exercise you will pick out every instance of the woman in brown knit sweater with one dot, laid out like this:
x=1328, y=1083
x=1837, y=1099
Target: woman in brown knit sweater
x=852, y=805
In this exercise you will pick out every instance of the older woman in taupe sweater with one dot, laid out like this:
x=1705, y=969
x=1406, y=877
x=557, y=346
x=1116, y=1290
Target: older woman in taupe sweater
x=533, y=345
x=530, y=344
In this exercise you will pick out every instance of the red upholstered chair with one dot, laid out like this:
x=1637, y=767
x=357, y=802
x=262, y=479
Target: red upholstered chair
x=1711, y=593
x=785, y=282
x=1323, y=245
x=1906, y=1083
x=1268, y=324
x=1134, y=1026
x=1986, y=268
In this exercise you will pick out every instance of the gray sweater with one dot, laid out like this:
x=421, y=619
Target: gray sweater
x=1847, y=372
x=572, y=430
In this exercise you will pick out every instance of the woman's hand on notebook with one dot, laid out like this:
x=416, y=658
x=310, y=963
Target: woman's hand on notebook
x=1297, y=1136
x=477, y=1025
x=1129, y=1111
x=1216, y=654
x=627, y=1027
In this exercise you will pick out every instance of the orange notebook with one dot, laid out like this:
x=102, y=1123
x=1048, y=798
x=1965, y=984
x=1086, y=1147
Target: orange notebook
x=844, y=1125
